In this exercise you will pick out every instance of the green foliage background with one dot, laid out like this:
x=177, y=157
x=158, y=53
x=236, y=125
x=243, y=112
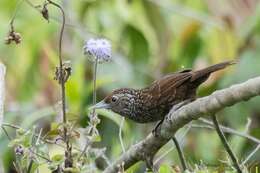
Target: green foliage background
x=149, y=38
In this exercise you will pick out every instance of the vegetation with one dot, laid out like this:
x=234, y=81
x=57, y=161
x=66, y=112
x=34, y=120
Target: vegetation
x=149, y=39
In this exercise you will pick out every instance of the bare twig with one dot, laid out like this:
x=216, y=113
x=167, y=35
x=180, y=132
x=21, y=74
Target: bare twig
x=43, y=157
x=227, y=130
x=226, y=145
x=180, y=153
x=37, y=135
x=251, y=154
x=6, y=133
x=173, y=147
x=33, y=143
x=177, y=119
x=61, y=62
x=30, y=166
x=17, y=168
x=15, y=13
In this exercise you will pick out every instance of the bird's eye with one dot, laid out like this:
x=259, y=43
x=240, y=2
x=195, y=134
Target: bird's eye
x=114, y=99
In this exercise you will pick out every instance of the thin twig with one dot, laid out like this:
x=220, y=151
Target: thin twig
x=84, y=150
x=32, y=148
x=68, y=154
x=231, y=131
x=61, y=62
x=251, y=154
x=120, y=134
x=227, y=130
x=37, y=135
x=106, y=159
x=94, y=102
x=30, y=166
x=6, y=133
x=180, y=153
x=173, y=147
x=17, y=168
x=11, y=125
x=15, y=14
x=226, y=145
x=43, y=157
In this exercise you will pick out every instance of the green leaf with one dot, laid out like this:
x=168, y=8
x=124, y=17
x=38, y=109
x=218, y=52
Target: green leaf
x=165, y=169
x=97, y=138
x=58, y=158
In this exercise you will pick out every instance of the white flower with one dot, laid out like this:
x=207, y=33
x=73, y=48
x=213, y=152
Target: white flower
x=99, y=49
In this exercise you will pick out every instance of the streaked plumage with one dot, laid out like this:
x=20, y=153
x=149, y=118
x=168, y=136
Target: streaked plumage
x=152, y=103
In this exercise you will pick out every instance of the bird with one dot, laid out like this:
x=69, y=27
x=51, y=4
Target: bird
x=154, y=102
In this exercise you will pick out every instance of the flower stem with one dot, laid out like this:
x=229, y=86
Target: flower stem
x=93, y=114
x=95, y=84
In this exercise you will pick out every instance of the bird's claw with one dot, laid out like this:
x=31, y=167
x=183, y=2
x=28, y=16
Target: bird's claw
x=157, y=128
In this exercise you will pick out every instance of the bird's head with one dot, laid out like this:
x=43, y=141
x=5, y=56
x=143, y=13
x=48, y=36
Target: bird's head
x=120, y=101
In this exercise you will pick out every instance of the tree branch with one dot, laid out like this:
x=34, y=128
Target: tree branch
x=192, y=111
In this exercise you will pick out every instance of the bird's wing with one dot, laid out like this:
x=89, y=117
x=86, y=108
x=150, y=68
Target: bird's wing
x=167, y=85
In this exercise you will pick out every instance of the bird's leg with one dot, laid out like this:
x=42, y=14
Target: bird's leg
x=156, y=129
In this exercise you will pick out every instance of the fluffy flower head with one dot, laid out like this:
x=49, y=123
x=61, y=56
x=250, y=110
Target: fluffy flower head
x=98, y=49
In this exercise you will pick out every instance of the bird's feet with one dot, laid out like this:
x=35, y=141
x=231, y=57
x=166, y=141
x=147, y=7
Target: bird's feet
x=157, y=128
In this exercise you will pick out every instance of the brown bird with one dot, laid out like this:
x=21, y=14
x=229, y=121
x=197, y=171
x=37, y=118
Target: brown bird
x=152, y=103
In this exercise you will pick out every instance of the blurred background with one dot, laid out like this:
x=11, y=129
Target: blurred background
x=150, y=38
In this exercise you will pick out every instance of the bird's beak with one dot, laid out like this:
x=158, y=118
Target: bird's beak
x=101, y=105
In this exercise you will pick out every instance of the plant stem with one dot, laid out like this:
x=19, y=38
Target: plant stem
x=95, y=84
x=226, y=145
x=180, y=153
x=94, y=102
x=15, y=13
x=68, y=154
x=210, y=125
x=173, y=147
x=61, y=62
x=120, y=134
x=6, y=133
x=251, y=154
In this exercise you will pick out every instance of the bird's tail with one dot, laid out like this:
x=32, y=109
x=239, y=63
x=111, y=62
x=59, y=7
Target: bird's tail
x=202, y=75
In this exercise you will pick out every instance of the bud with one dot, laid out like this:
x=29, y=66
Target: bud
x=19, y=150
